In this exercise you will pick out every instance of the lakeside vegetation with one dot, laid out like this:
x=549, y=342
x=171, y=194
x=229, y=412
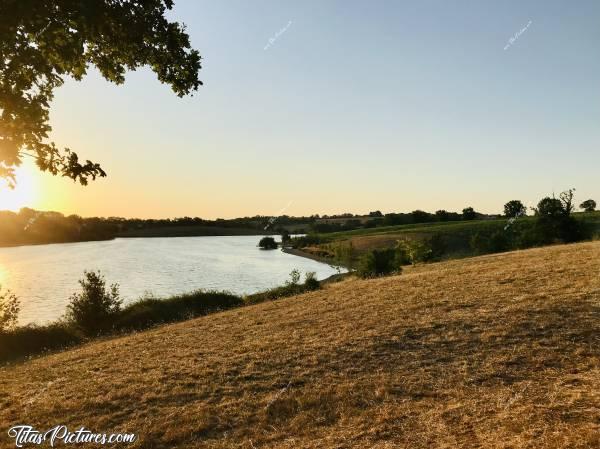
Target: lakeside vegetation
x=97, y=310
x=384, y=250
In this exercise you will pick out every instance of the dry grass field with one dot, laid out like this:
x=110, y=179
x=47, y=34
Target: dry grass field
x=499, y=351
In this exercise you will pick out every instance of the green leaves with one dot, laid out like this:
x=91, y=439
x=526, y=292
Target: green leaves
x=42, y=41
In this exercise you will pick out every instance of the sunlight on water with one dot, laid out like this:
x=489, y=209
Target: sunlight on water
x=3, y=275
x=44, y=276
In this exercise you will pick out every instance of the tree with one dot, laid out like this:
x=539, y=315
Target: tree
x=555, y=222
x=514, y=208
x=376, y=213
x=267, y=243
x=442, y=215
x=566, y=200
x=588, y=205
x=420, y=216
x=93, y=308
x=469, y=213
x=42, y=42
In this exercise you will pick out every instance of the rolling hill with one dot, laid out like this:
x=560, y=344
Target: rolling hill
x=498, y=351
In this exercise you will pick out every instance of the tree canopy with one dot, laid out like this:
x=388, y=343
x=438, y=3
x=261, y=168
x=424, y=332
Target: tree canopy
x=514, y=208
x=588, y=205
x=44, y=41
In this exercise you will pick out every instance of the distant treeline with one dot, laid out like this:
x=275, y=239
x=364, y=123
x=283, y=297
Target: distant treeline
x=29, y=226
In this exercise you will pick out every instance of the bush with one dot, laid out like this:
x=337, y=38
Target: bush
x=95, y=307
x=421, y=250
x=150, y=311
x=267, y=243
x=310, y=281
x=306, y=240
x=496, y=242
x=379, y=262
x=588, y=205
x=294, y=278
x=9, y=310
x=31, y=340
x=291, y=288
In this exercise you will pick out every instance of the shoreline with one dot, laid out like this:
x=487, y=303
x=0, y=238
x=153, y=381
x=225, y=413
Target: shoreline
x=300, y=253
x=334, y=277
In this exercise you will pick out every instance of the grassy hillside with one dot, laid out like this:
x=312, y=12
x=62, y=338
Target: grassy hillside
x=499, y=351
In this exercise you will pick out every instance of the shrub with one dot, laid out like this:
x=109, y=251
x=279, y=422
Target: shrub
x=267, y=243
x=291, y=288
x=152, y=311
x=306, y=240
x=310, y=281
x=378, y=262
x=422, y=250
x=588, y=205
x=9, y=310
x=403, y=252
x=30, y=340
x=93, y=309
x=496, y=242
x=294, y=278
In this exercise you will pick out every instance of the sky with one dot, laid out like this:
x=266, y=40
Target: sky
x=343, y=106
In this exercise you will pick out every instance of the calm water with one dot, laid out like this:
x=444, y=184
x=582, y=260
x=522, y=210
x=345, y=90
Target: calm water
x=45, y=276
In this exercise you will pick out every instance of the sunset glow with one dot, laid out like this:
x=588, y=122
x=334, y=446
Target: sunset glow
x=23, y=195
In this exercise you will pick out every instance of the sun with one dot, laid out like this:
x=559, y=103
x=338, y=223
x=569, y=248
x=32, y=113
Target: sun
x=23, y=195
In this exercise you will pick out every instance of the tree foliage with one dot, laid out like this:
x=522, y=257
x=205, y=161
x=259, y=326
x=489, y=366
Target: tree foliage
x=514, y=208
x=93, y=308
x=469, y=213
x=549, y=207
x=588, y=205
x=267, y=243
x=44, y=41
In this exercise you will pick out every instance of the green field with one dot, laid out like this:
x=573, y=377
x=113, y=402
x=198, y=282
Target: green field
x=457, y=235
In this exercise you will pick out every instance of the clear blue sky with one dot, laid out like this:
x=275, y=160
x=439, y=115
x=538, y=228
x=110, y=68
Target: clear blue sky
x=355, y=106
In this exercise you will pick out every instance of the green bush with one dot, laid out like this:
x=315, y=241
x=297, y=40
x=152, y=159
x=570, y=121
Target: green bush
x=485, y=243
x=93, y=309
x=267, y=243
x=378, y=262
x=150, y=311
x=422, y=250
x=292, y=287
x=31, y=340
x=310, y=281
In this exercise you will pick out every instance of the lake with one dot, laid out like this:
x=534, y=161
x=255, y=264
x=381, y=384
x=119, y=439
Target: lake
x=45, y=276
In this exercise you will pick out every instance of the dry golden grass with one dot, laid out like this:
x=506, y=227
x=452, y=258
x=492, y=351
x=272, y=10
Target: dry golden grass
x=499, y=351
